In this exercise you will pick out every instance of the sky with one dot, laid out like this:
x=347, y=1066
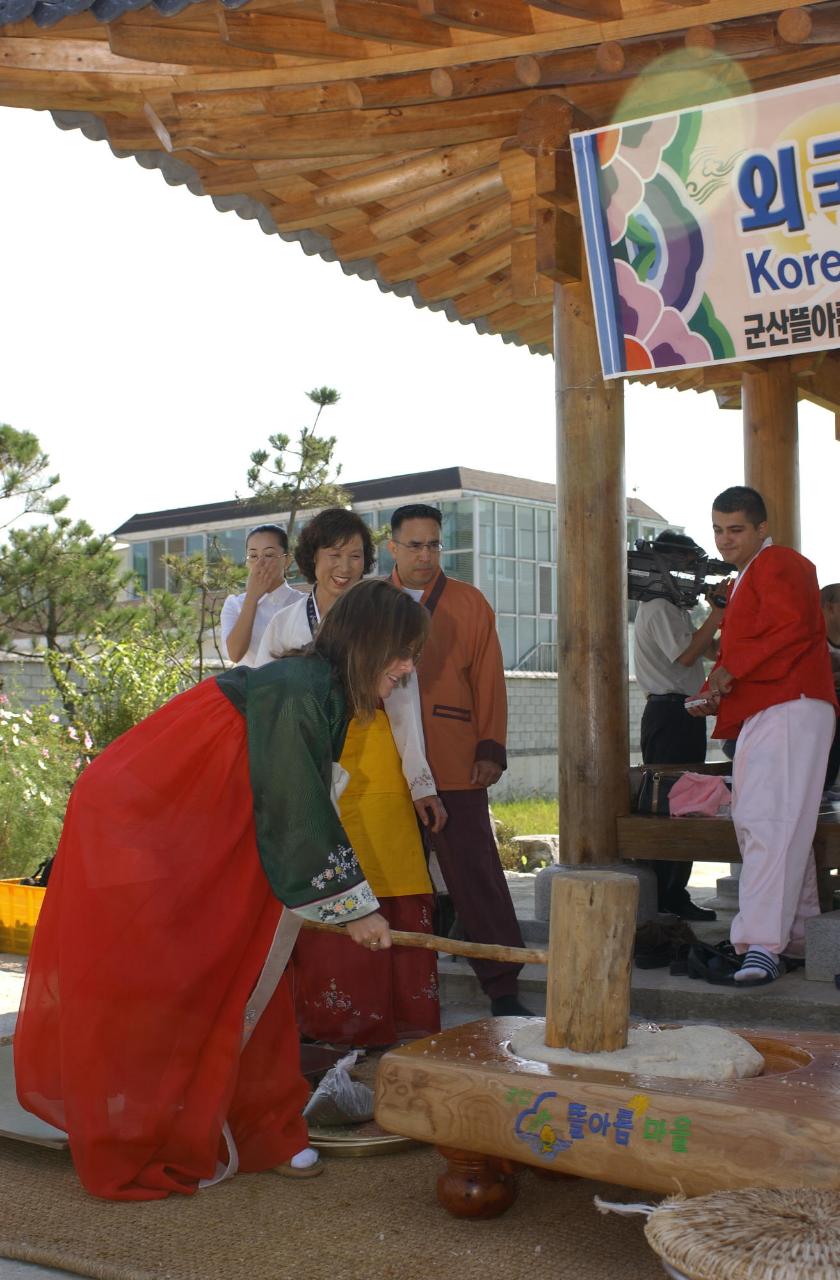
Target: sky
x=151, y=343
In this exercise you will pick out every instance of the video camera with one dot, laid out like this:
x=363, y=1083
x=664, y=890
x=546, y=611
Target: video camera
x=678, y=571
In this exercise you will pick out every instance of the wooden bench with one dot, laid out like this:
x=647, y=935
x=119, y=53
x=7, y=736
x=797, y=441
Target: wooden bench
x=641, y=836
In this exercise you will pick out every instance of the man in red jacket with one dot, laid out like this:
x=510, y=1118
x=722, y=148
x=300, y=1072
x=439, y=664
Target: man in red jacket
x=772, y=689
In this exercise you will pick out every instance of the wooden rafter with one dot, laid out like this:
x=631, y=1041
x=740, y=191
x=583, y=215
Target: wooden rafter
x=424, y=140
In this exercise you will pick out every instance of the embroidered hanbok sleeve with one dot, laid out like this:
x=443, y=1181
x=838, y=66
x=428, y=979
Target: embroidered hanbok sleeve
x=403, y=710
x=296, y=728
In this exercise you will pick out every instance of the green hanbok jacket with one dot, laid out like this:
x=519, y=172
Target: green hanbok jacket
x=296, y=720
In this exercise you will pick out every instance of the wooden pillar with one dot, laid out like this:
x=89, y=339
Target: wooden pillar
x=771, y=454
x=593, y=737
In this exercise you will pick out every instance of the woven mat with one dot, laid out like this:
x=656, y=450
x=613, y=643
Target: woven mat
x=364, y=1219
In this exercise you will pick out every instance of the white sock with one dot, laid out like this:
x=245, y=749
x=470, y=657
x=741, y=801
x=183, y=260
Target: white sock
x=304, y=1159
x=765, y=961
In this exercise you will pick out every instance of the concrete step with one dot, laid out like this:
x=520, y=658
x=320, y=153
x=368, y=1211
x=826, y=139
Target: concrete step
x=793, y=1003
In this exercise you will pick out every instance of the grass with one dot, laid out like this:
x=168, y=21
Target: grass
x=533, y=817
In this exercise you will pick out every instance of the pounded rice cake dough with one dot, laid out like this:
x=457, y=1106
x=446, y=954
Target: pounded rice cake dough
x=684, y=1053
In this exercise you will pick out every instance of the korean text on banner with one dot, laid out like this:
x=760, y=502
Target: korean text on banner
x=713, y=234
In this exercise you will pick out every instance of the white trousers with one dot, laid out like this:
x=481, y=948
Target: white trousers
x=777, y=781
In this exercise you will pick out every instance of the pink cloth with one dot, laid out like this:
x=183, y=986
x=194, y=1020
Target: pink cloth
x=705, y=794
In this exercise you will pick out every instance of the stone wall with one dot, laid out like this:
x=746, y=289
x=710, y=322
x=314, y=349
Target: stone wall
x=24, y=678
x=532, y=734
x=532, y=721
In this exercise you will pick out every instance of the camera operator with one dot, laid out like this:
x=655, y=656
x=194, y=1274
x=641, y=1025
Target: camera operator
x=668, y=659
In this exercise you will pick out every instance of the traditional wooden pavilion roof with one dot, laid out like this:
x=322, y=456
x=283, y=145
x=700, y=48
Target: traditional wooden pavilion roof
x=420, y=143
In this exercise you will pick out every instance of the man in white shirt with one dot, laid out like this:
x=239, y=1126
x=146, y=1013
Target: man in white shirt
x=246, y=616
x=668, y=659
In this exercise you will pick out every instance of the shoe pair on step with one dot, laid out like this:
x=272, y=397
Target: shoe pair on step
x=722, y=966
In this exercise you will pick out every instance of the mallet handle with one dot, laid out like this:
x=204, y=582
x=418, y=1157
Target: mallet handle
x=453, y=946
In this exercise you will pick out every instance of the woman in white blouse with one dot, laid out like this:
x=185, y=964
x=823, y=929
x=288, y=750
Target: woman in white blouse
x=370, y=998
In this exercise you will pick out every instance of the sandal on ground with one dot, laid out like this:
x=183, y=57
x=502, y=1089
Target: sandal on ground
x=716, y=964
x=767, y=968
x=309, y=1170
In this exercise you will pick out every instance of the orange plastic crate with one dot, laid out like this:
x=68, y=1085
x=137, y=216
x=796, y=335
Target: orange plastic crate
x=19, y=908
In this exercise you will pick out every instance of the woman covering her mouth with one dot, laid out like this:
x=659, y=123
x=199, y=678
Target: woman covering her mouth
x=157, y=1027
x=342, y=995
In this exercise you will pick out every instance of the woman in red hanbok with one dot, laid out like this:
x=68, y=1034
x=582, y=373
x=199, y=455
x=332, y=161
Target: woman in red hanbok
x=157, y=1029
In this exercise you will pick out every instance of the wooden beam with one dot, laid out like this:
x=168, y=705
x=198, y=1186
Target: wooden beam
x=558, y=243
x=453, y=280
x=518, y=171
x=771, y=456
x=34, y=54
x=404, y=175
x=734, y=39
x=590, y=10
x=185, y=48
x=484, y=300
x=461, y=193
x=546, y=122
x=302, y=99
x=477, y=80
x=478, y=227
x=357, y=132
x=394, y=91
x=824, y=387
x=503, y=17
x=278, y=33
x=529, y=287
x=378, y=21
x=818, y=25
x=591, y=625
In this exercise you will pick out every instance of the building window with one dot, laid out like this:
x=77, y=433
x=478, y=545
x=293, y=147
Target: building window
x=545, y=545
x=157, y=568
x=140, y=565
x=505, y=529
x=507, y=639
x=548, y=588
x=228, y=542
x=525, y=532
x=457, y=527
x=487, y=527
x=487, y=579
x=506, y=586
x=526, y=588
x=458, y=565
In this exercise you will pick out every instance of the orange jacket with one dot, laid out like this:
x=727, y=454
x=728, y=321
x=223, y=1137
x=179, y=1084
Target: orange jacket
x=773, y=639
x=462, y=683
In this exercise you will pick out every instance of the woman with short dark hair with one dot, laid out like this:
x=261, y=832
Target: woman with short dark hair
x=341, y=995
x=157, y=1027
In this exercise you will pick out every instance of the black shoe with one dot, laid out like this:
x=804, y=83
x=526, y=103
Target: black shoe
x=509, y=1007
x=690, y=911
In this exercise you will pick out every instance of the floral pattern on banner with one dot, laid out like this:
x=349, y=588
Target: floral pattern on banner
x=659, y=255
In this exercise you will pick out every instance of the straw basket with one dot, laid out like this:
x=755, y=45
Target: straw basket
x=752, y=1234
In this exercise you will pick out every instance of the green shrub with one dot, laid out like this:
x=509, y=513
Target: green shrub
x=109, y=684
x=39, y=761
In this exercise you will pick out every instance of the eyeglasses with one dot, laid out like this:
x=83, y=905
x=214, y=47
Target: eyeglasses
x=434, y=546
x=266, y=555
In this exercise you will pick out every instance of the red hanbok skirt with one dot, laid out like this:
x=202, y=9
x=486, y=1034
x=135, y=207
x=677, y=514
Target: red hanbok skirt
x=347, y=995
x=153, y=933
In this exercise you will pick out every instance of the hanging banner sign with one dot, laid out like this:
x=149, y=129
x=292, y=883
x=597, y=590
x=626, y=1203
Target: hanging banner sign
x=712, y=234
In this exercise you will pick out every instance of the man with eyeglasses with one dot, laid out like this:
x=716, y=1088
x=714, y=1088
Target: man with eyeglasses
x=464, y=704
x=246, y=616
